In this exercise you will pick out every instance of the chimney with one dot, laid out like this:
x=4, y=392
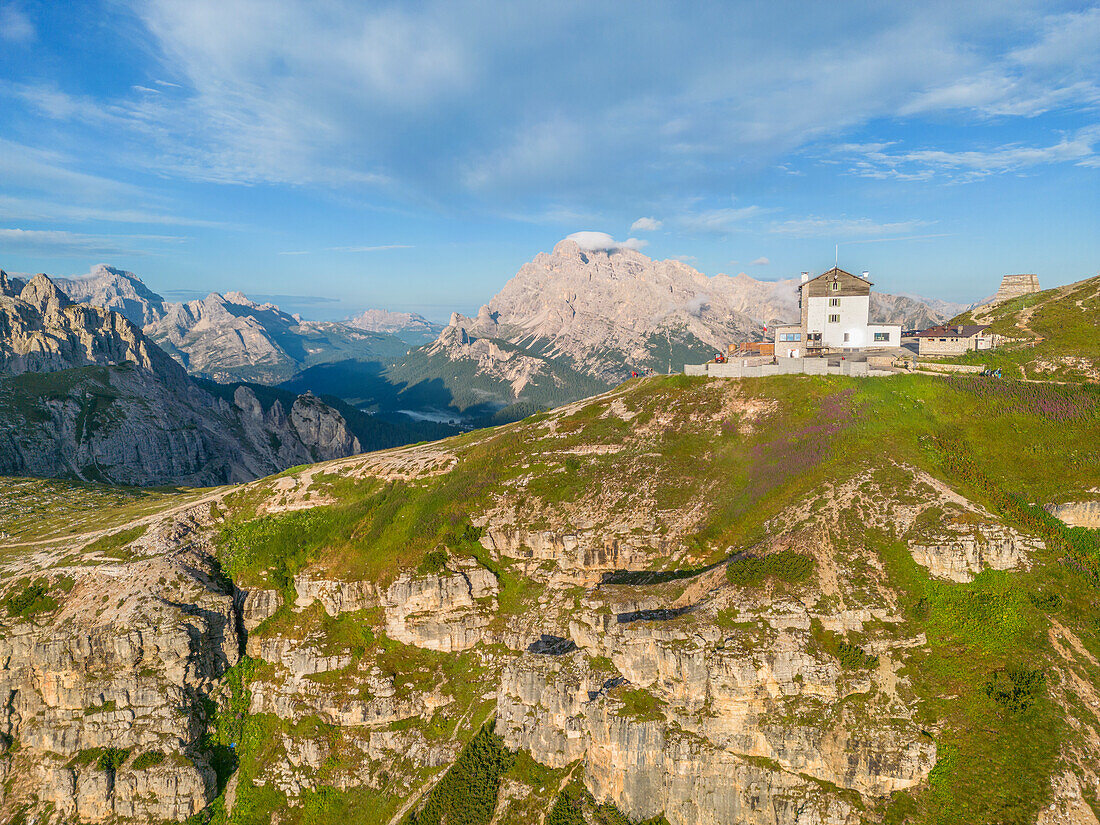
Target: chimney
x=805, y=277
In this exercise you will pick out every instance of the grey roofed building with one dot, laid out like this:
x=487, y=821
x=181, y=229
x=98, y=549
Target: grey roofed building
x=952, y=339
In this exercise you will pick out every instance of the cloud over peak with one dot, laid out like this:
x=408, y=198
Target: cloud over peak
x=602, y=242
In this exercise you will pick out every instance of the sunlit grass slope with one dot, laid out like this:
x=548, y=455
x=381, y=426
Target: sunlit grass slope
x=1058, y=333
x=986, y=678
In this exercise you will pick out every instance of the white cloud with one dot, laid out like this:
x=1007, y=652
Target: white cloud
x=761, y=261
x=645, y=225
x=602, y=242
x=819, y=227
x=696, y=304
x=40, y=210
x=32, y=167
x=295, y=92
x=534, y=152
x=57, y=242
x=973, y=164
x=719, y=221
x=15, y=25
x=925, y=237
x=459, y=105
x=61, y=193
x=554, y=213
x=1058, y=69
x=438, y=96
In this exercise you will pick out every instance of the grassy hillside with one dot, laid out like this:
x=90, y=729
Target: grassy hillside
x=989, y=682
x=33, y=509
x=757, y=523
x=1057, y=332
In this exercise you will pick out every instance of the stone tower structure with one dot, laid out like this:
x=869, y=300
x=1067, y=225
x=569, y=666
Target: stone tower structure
x=1013, y=286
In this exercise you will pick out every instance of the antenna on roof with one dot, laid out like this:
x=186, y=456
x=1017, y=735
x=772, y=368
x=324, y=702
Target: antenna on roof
x=836, y=264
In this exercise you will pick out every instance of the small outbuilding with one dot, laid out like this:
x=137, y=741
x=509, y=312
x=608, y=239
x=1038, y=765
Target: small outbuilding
x=955, y=340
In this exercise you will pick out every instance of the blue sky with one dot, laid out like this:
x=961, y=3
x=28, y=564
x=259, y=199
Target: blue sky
x=414, y=155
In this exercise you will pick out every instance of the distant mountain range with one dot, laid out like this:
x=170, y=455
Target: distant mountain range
x=85, y=394
x=408, y=326
x=569, y=324
x=231, y=338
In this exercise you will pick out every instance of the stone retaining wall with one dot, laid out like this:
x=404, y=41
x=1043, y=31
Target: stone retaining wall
x=929, y=367
x=783, y=366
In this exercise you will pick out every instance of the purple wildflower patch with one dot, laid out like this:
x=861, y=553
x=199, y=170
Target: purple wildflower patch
x=1053, y=402
x=802, y=449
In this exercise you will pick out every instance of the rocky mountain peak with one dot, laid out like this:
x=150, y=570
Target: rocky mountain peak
x=44, y=296
x=612, y=300
x=41, y=330
x=138, y=418
x=116, y=289
x=240, y=299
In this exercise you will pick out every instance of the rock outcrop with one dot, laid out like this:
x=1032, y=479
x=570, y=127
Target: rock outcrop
x=965, y=550
x=336, y=597
x=447, y=611
x=117, y=673
x=1078, y=513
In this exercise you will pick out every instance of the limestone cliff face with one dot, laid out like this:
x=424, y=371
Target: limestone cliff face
x=446, y=612
x=965, y=550
x=120, y=667
x=1078, y=513
x=43, y=331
